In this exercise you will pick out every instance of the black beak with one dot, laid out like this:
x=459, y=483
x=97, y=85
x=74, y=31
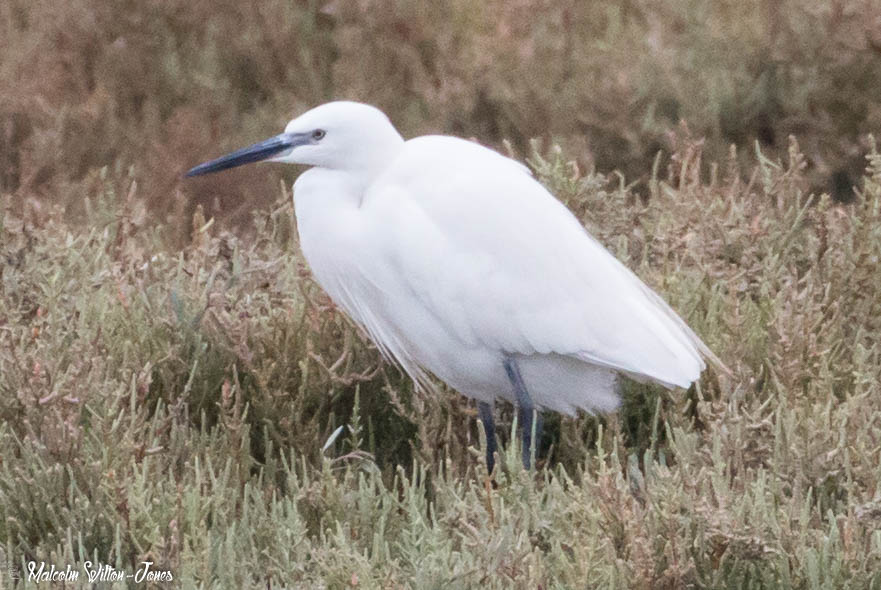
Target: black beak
x=254, y=153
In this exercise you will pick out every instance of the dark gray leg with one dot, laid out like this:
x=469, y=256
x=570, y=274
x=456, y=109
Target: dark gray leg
x=525, y=408
x=489, y=428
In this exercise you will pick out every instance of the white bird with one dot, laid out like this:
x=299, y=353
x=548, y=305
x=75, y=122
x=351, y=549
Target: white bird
x=457, y=262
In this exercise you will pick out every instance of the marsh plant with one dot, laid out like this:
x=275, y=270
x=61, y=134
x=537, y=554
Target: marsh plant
x=208, y=409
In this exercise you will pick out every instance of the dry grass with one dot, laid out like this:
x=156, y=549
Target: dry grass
x=164, y=84
x=173, y=406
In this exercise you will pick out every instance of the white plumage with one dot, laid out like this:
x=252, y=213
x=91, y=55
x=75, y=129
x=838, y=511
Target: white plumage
x=453, y=259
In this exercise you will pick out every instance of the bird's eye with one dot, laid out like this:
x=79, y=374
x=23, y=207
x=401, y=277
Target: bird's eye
x=318, y=134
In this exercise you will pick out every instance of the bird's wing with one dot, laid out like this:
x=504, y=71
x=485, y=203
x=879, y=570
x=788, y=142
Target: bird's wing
x=503, y=264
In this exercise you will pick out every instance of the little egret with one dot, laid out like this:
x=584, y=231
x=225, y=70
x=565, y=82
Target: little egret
x=457, y=262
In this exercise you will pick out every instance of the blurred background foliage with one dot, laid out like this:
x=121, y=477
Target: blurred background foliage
x=165, y=84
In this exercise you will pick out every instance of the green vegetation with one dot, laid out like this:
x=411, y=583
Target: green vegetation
x=172, y=383
x=175, y=407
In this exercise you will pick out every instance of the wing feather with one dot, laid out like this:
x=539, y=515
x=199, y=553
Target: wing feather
x=499, y=261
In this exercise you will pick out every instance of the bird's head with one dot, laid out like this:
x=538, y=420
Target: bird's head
x=338, y=135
